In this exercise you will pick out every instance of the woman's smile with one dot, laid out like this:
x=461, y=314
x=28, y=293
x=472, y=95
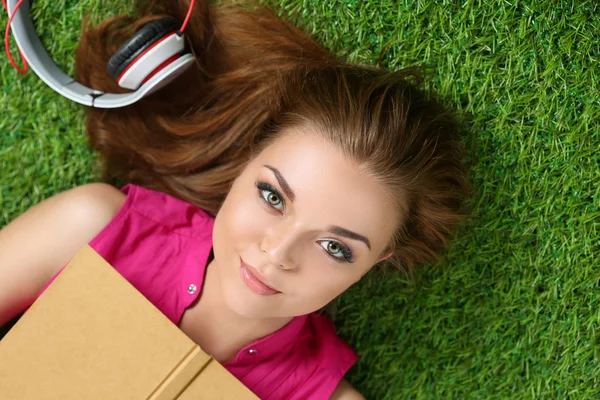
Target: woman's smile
x=255, y=281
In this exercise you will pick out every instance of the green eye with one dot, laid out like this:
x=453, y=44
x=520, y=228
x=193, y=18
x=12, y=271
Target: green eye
x=333, y=248
x=273, y=199
x=337, y=250
x=270, y=195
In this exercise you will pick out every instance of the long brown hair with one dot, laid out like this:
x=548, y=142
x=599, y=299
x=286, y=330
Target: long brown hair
x=257, y=74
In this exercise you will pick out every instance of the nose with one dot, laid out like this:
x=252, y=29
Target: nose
x=277, y=244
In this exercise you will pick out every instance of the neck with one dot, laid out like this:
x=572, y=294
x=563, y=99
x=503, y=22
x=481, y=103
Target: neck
x=217, y=329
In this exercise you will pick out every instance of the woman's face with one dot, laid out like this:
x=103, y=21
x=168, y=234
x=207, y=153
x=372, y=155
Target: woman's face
x=304, y=220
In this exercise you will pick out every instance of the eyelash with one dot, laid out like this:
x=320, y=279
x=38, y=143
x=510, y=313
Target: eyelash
x=265, y=187
x=346, y=252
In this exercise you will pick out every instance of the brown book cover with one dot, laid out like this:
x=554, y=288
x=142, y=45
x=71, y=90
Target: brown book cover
x=91, y=335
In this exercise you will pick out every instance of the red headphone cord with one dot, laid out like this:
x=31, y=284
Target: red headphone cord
x=25, y=65
x=7, y=37
x=187, y=17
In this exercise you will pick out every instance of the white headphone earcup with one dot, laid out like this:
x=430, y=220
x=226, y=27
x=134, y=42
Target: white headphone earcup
x=153, y=59
x=175, y=69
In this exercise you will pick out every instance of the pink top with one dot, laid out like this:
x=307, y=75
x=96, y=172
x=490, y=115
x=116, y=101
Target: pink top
x=161, y=245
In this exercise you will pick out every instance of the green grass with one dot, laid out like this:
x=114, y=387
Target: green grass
x=513, y=310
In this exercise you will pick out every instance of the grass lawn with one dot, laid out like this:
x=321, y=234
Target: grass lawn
x=513, y=310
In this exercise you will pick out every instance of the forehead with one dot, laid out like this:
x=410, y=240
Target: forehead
x=330, y=188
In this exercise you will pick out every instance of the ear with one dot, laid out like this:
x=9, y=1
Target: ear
x=388, y=255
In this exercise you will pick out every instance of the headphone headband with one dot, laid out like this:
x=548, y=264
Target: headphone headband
x=43, y=65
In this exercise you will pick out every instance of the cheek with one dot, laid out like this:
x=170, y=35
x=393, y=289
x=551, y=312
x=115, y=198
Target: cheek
x=323, y=279
x=240, y=218
x=319, y=289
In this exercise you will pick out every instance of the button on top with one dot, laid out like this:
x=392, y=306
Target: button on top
x=192, y=288
x=252, y=351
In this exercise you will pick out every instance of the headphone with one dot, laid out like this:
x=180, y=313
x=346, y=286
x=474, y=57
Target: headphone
x=148, y=61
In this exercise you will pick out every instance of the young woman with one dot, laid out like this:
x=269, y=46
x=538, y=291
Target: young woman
x=259, y=187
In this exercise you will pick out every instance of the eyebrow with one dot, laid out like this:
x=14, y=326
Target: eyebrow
x=283, y=183
x=336, y=230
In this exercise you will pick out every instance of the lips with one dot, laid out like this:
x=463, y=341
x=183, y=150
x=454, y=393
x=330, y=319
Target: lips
x=255, y=282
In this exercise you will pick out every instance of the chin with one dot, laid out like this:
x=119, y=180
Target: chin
x=246, y=304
